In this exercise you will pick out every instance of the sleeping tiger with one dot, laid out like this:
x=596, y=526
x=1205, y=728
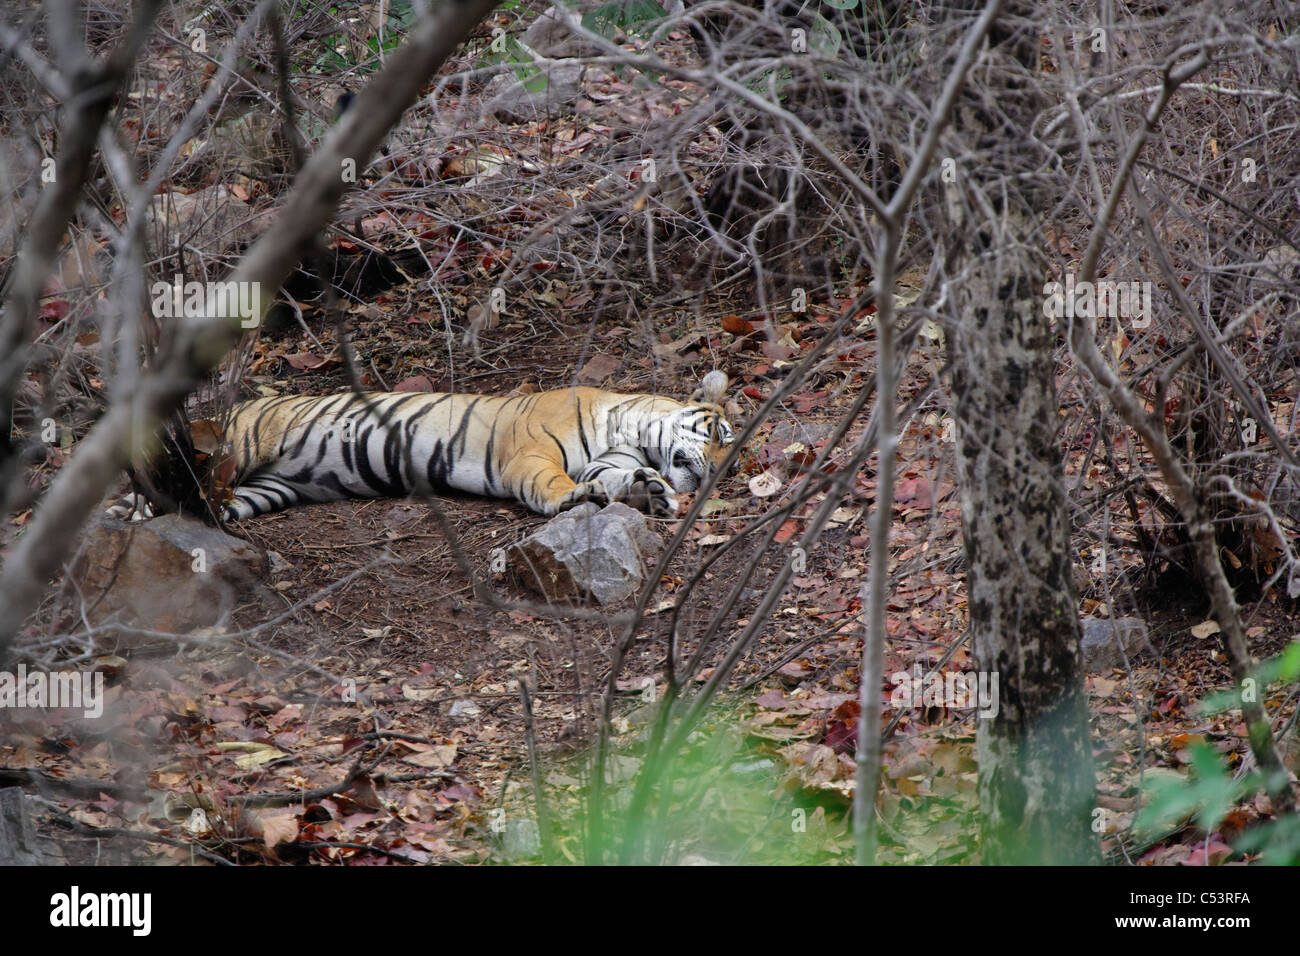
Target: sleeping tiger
x=549, y=450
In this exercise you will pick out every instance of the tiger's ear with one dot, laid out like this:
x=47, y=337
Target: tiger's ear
x=712, y=387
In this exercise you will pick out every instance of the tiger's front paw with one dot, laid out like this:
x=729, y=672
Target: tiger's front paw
x=130, y=507
x=593, y=491
x=651, y=493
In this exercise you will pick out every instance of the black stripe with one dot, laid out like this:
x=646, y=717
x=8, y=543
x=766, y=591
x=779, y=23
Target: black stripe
x=383, y=487
x=582, y=434
x=564, y=456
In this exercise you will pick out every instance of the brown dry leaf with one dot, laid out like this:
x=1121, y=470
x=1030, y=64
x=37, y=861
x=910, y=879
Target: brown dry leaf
x=787, y=531
x=251, y=761
x=482, y=318
x=434, y=757
x=420, y=694
x=817, y=767
x=206, y=436
x=286, y=715
x=90, y=818
x=306, y=361
x=772, y=700
x=598, y=368
x=674, y=348
x=916, y=492
x=575, y=144
x=736, y=325
x=1103, y=687
x=797, y=670
x=416, y=383
x=277, y=827
x=778, y=351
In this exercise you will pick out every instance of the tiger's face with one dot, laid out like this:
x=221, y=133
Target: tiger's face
x=693, y=443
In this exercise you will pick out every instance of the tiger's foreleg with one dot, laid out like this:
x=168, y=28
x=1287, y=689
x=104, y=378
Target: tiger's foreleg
x=541, y=484
x=626, y=475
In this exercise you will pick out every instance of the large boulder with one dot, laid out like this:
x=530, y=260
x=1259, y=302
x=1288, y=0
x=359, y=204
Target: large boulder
x=1106, y=643
x=169, y=574
x=586, y=550
x=19, y=845
x=549, y=88
x=550, y=36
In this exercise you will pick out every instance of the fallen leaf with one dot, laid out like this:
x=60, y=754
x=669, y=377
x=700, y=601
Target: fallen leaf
x=251, y=761
x=598, y=368
x=764, y=485
x=416, y=383
x=736, y=325
x=306, y=361
x=435, y=757
x=772, y=700
x=278, y=827
x=205, y=435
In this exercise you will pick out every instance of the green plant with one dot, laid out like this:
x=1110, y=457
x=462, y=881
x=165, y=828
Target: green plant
x=1212, y=790
x=401, y=14
x=632, y=16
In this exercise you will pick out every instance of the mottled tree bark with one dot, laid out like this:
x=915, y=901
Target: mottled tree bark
x=1036, y=781
x=1035, y=761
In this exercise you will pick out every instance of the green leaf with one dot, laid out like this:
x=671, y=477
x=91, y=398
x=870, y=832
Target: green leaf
x=1276, y=841
x=825, y=37
x=1285, y=667
x=534, y=83
x=627, y=17
x=1209, y=794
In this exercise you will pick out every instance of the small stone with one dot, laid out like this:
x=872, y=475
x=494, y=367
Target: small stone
x=170, y=574
x=546, y=89
x=464, y=708
x=586, y=550
x=1106, y=642
x=550, y=36
x=521, y=838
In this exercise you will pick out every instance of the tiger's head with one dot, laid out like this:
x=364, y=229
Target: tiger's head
x=692, y=441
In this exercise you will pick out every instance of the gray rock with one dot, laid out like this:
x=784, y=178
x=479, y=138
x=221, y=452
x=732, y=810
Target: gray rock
x=521, y=838
x=211, y=220
x=550, y=36
x=1106, y=642
x=464, y=708
x=18, y=843
x=169, y=574
x=587, y=549
x=550, y=88
x=1287, y=497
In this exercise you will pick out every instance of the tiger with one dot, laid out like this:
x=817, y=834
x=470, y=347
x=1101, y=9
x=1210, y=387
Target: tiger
x=548, y=450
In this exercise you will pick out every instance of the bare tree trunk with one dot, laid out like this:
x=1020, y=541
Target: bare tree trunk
x=1036, y=780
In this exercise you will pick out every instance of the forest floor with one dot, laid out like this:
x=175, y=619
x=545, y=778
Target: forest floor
x=440, y=731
